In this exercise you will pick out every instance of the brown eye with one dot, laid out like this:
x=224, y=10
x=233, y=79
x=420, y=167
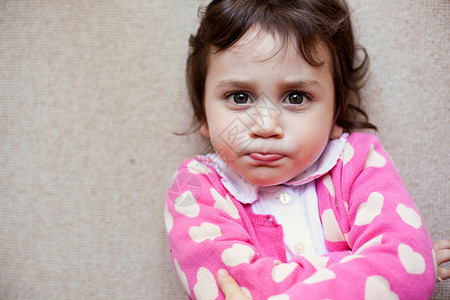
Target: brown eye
x=240, y=98
x=295, y=98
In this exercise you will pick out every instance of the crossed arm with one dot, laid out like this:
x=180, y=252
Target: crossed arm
x=202, y=218
x=232, y=291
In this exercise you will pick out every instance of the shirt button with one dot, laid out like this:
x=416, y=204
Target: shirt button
x=299, y=248
x=284, y=198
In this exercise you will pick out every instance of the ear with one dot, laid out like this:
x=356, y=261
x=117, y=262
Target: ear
x=204, y=130
x=336, y=132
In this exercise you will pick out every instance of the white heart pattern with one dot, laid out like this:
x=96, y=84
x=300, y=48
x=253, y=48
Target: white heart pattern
x=319, y=276
x=281, y=271
x=346, y=207
x=246, y=292
x=206, y=286
x=319, y=262
x=196, y=167
x=375, y=241
x=329, y=184
x=377, y=287
x=237, y=254
x=182, y=276
x=168, y=219
x=331, y=227
x=279, y=297
x=347, y=154
x=413, y=262
x=374, y=159
x=206, y=231
x=409, y=216
x=172, y=180
x=350, y=258
x=368, y=210
x=187, y=205
x=224, y=204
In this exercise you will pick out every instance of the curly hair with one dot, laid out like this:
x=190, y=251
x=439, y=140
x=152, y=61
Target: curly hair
x=310, y=22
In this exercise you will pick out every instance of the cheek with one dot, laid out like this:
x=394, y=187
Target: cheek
x=220, y=121
x=314, y=139
x=317, y=143
x=214, y=126
x=215, y=131
x=209, y=127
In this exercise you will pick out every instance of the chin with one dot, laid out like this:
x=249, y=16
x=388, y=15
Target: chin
x=265, y=175
x=269, y=181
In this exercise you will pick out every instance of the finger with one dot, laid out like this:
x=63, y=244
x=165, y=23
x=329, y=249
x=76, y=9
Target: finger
x=443, y=274
x=442, y=244
x=227, y=284
x=442, y=256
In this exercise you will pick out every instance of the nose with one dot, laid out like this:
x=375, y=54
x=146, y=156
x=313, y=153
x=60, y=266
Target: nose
x=266, y=127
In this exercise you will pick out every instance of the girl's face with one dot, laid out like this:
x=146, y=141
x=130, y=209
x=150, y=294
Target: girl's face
x=269, y=113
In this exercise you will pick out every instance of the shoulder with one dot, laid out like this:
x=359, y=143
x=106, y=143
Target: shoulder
x=196, y=190
x=197, y=176
x=360, y=147
x=201, y=167
x=361, y=140
x=362, y=159
x=199, y=164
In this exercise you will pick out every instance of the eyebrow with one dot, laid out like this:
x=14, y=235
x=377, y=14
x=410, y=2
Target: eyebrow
x=238, y=84
x=249, y=85
x=295, y=84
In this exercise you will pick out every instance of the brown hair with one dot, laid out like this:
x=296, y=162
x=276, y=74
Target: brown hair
x=310, y=22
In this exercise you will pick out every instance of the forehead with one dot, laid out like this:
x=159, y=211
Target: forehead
x=262, y=45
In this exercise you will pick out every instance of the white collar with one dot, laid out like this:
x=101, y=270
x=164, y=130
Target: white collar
x=247, y=192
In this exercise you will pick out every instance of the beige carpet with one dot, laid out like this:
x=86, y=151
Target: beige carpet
x=90, y=93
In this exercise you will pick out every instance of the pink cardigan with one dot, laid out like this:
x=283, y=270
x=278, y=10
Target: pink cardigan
x=379, y=246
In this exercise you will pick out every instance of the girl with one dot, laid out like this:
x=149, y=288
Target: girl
x=291, y=204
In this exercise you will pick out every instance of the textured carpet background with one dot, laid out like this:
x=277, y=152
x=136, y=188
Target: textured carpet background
x=90, y=93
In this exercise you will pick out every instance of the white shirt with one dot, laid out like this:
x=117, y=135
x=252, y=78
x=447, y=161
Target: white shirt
x=294, y=204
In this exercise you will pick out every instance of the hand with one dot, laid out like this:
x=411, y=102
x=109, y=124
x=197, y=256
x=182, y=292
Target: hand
x=442, y=249
x=229, y=287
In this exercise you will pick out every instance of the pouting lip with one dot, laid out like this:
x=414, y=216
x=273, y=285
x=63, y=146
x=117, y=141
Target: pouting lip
x=265, y=157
